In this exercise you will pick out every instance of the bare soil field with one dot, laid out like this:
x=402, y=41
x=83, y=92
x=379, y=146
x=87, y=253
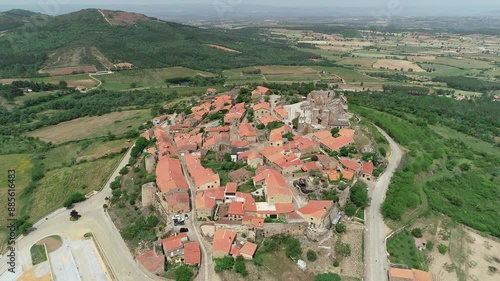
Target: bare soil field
x=122, y=18
x=69, y=70
x=397, y=65
x=223, y=48
x=52, y=243
x=483, y=257
x=95, y=126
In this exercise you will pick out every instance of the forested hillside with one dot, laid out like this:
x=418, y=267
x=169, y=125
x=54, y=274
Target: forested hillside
x=440, y=172
x=16, y=18
x=145, y=44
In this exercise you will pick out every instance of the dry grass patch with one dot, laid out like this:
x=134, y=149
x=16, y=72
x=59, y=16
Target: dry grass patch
x=90, y=127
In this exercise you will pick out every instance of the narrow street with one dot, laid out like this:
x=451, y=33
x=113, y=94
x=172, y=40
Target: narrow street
x=376, y=263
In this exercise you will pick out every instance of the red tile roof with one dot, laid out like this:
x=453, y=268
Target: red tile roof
x=262, y=105
x=223, y=239
x=178, y=198
x=246, y=130
x=368, y=168
x=231, y=187
x=236, y=208
x=336, y=143
x=262, y=89
x=281, y=111
x=192, y=253
x=239, y=143
x=309, y=166
x=350, y=164
x=248, y=249
x=152, y=262
x=316, y=208
x=203, y=201
x=173, y=242
x=266, y=119
x=348, y=174
x=169, y=175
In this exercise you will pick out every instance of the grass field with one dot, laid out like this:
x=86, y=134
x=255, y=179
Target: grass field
x=349, y=75
x=116, y=123
x=463, y=63
x=71, y=153
x=472, y=142
x=122, y=80
x=21, y=99
x=460, y=92
x=402, y=250
x=38, y=254
x=59, y=184
x=442, y=70
x=21, y=164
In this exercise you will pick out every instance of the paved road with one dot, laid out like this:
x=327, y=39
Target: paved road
x=94, y=220
x=375, y=252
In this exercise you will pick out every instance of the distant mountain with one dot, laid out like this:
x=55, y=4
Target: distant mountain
x=16, y=18
x=97, y=39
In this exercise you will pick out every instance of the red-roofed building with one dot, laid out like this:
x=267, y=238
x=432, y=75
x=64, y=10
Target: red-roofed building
x=203, y=178
x=222, y=243
x=334, y=144
x=281, y=112
x=192, y=253
x=259, y=92
x=205, y=205
x=275, y=139
x=157, y=120
x=253, y=221
x=152, y=262
x=266, y=119
x=248, y=250
x=317, y=213
x=169, y=177
x=367, y=170
x=236, y=211
x=333, y=175
x=215, y=142
x=178, y=203
x=304, y=145
x=247, y=133
x=173, y=246
x=230, y=190
x=254, y=160
x=310, y=166
x=275, y=186
x=348, y=174
x=261, y=109
x=349, y=164
x=187, y=142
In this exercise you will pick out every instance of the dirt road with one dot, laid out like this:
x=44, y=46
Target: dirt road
x=375, y=252
x=94, y=220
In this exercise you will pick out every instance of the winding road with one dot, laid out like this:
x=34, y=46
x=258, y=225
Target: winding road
x=376, y=263
x=94, y=220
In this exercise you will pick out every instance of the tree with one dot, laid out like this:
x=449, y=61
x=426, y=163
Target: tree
x=429, y=246
x=359, y=194
x=240, y=267
x=340, y=228
x=227, y=157
x=261, y=126
x=344, y=151
x=327, y=277
x=335, y=132
x=442, y=248
x=350, y=209
x=183, y=273
x=74, y=215
x=293, y=249
x=258, y=260
x=417, y=232
x=382, y=151
x=123, y=171
x=311, y=255
x=225, y=263
x=336, y=263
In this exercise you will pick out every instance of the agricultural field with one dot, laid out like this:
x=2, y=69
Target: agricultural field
x=397, y=64
x=22, y=165
x=141, y=78
x=74, y=152
x=115, y=123
x=59, y=184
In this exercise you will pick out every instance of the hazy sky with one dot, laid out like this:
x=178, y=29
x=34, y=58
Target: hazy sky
x=335, y=3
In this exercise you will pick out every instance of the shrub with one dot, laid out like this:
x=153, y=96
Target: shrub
x=340, y=228
x=429, y=246
x=343, y=249
x=293, y=249
x=311, y=255
x=74, y=198
x=327, y=277
x=442, y=248
x=240, y=267
x=225, y=263
x=336, y=263
x=417, y=232
x=183, y=273
x=124, y=171
x=257, y=260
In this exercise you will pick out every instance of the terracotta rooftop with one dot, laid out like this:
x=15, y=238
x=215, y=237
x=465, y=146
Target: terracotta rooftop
x=231, y=187
x=236, y=208
x=368, y=168
x=281, y=111
x=262, y=105
x=169, y=175
x=192, y=253
x=266, y=119
x=397, y=274
x=248, y=249
x=316, y=208
x=152, y=262
x=173, y=242
x=223, y=239
x=246, y=130
x=349, y=164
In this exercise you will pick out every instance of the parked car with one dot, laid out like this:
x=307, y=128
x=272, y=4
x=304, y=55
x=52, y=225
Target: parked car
x=183, y=229
x=181, y=222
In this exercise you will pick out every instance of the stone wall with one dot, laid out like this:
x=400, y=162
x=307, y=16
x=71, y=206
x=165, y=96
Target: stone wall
x=271, y=229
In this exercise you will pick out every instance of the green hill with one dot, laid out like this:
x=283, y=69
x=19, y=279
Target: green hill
x=16, y=18
x=139, y=40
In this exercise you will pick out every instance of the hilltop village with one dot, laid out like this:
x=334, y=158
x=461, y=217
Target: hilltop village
x=241, y=166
